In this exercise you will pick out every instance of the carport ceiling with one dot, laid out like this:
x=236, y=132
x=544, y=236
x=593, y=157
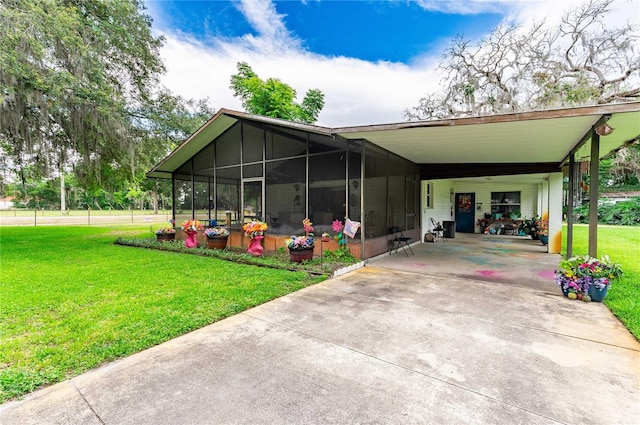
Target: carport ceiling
x=534, y=137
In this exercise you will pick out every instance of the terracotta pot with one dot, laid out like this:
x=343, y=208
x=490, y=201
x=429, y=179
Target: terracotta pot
x=166, y=237
x=298, y=255
x=217, y=242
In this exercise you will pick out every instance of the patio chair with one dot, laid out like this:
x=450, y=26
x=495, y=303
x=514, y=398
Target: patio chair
x=400, y=241
x=438, y=230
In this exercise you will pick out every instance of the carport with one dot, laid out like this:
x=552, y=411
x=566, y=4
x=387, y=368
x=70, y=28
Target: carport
x=504, y=259
x=542, y=146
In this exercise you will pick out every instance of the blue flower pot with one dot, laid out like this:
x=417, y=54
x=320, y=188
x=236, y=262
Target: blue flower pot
x=544, y=239
x=598, y=294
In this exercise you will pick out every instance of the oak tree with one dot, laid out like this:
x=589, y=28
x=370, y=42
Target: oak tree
x=273, y=98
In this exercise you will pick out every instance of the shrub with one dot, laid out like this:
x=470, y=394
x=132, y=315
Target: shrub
x=622, y=213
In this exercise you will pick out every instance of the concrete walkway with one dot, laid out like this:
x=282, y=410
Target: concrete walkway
x=446, y=345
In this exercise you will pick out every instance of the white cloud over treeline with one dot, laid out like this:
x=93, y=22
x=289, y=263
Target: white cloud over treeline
x=356, y=92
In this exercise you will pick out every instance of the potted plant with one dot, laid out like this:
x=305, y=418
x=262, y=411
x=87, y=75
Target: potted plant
x=530, y=226
x=191, y=227
x=301, y=247
x=585, y=275
x=255, y=230
x=543, y=231
x=166, y=233
x=216, y=237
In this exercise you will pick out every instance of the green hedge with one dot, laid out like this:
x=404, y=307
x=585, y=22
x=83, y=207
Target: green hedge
x=622, y=213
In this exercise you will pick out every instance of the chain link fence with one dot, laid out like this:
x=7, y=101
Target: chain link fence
x=87, y=217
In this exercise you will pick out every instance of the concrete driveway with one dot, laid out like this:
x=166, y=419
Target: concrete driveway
x=378, y=345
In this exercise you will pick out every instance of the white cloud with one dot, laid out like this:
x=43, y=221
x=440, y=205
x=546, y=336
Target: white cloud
x=264, y=18
x=356, y=92
x=464, y=7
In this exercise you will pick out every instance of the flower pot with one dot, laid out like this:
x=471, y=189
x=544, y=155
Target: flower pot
x=217, y=242
x=191, y=241
x=255, y=246
x=166, y=237
x=544, y=239
x=598, y=294
x=298, y=255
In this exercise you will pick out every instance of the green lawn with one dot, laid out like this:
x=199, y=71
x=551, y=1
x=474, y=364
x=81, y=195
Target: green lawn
x=622, y=245
x=71, y=300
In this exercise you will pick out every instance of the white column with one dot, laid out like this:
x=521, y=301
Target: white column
x=555, y=213
x=539, y=205
x=544, y=202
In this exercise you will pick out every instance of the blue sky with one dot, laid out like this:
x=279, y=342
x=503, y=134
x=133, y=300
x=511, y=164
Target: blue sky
x=373, y=31
x=372, y=59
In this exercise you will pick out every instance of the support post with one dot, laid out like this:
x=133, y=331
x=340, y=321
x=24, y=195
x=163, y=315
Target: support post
x=570, y=199
x=555, y=213
x=593, y=194
x=173, y=200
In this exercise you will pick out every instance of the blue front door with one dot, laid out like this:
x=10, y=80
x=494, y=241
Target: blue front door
x=465, y=216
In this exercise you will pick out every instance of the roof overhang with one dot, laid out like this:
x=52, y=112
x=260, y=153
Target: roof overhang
x=529, y=137
x=538, y=137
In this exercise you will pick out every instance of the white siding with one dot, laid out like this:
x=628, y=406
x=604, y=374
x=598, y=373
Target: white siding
x=442, y=204
x=528, y=196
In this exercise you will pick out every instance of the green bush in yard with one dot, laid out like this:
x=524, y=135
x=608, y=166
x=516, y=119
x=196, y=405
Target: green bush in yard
x=626, y=213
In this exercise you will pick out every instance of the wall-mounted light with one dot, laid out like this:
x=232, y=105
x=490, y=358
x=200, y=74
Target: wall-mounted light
x=603, y=130
x=479, y=206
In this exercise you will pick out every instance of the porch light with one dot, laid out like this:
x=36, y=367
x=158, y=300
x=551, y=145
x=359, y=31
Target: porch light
x=604, y=130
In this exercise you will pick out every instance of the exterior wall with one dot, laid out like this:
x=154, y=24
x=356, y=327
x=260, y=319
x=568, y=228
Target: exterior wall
x=442, y=207
x=272, y=242
x=528, y=196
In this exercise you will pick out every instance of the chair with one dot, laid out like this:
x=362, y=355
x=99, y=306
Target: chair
x=438, y=230
x=400, y=240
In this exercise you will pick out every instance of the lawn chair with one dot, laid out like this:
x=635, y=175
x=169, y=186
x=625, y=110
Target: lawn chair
x=400, y=240
x=438, y=230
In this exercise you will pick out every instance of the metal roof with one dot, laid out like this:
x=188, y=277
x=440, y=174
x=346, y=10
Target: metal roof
x=529, y=137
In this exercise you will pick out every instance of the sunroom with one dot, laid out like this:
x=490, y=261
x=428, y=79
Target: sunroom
x=240, y=167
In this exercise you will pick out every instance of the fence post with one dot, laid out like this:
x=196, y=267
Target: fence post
x=35, y=217
x=88, y=215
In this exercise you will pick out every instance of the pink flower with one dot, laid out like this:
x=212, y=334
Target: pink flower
x=307, y=224
x=337, y=226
